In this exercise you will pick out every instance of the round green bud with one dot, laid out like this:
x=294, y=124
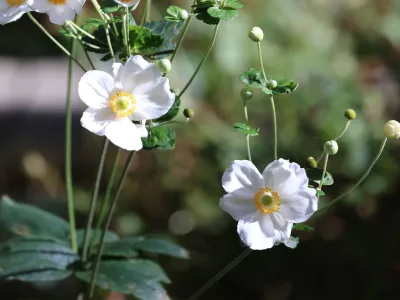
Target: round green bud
x=331, y=147
x=256, y=34
x=183, y=14
x=188, y=113
x=272, y=84
x=350, y=114
x=246, y=93
x=391, y=130
x=311, y=162
x=164, y=65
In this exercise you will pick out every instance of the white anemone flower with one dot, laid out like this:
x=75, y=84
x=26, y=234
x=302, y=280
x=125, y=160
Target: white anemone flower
x=12, y=10
x=135, y=91
x=59, y=11
x=266, y=205
x=127, y=3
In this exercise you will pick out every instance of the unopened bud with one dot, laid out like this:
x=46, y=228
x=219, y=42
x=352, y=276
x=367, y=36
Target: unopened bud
x=272, y=84
x=350, y=114
x=311, y=162
x=391, y=130
x=246, y=93
x=188, y=113
x=331, y=147
x=164, y=65
x=256, y=34
x=183, y=14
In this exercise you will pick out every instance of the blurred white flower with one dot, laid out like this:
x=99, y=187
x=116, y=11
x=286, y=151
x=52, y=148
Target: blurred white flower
x=12, y=10
x=267, y=205
x=391, y=130
x=59, y=11
x=135, y=91
x=127, y=3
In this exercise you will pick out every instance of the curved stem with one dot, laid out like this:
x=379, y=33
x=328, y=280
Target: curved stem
x=201, y=62
x=246, y=118
x=93, y=202
x=357, y=183
x=108, y=222
x=55, y=41
x=68, y=155
x=220, y=274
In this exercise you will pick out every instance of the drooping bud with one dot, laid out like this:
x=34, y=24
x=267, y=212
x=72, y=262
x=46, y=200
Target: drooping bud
x=272, y=84
x=312, y=163
x=331, y=147
x=164, y=65
x=256, y=34
x=391, y=130
x=183, y=14
x=350, y=114
x=246, y=94
x=188, y=113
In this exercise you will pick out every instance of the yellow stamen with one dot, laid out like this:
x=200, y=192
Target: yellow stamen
x=122, y=103
x=267, y=200
x=57, y=2
x=15, y=2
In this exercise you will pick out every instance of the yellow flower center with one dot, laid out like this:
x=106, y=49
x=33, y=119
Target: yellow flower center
x=15, y=2
x=57, y=2
x=122, y=103
x=267, y=200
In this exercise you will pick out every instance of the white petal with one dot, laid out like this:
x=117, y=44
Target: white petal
x=96, y=120
x=95, y=88
x=60, y=13
x=40, y=5
x=127, y=3
x=116, y=70
x=242, y=179
x=292, y=242
x=300, y=206
x=238, y=208
x=251, y=234
x=76, y=5
x=12, y=14
x=285, y=177
x=124, y=134
x=282, y=228
x=142, y=130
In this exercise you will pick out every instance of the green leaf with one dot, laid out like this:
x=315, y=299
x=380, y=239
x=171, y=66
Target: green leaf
x=109, y=6
x=253, y=78
x=245, y=128
x=137, y=277
x=267, y=91
x=202, y=15
x=315, y=175
x=96, y=234
x=35, y=259
x=25, y=220
x=173, y=12
x=302, y=227
x=91, y=24
x=223, y=13
x=292, y=242
x=65, y=33
x=233, y=4
x=101, y=40
x=285, y=87
x=173, y=111
x=161, y=137
x=142, y=41
x=319, y=193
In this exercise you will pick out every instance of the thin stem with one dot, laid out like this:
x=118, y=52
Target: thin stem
x=125, y=25
x=246, y=118
x=88, y=57
x=272, y=104
x=185, y=29
x=68, y=154
x=84, y=32
x=323, y=171
x=93, y=201
x=202, y=61
x=108, y=222
x=220, y=274
x=146, y=12
x=113, y=25
x=55, y=41
x=357, y=183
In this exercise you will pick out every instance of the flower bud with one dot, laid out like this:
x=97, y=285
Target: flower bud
x=331, y=147
x=350, y=114
x=272, y=84
x=183, y=14
x=311, y=162
x=164, y=65
x=391, y=130
x=246, y=94
x=188, y=113
x=256, y=34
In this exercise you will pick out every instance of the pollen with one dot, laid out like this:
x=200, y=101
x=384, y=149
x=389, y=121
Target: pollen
x=122, y=103
x=15, y=2
x=267, y=200
x=57, y=2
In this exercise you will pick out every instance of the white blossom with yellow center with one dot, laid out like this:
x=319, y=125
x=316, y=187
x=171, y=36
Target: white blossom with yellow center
x=266, y=205
x=12, y=10
x=59, y=11
x=135, y=91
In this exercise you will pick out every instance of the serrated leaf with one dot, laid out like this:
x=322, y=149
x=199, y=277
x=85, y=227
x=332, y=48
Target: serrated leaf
x=25, y=220
x=223, y=13
x=161, y=137
x=302, y=227
x=233, y=4
x=245, y=128
x=315, y=175
x=109, y=6
x=172, y=112
x=267, y=91
x=285, y=87
x=202, y=15
x=142, y=41
x=253, y=78
x=173, y=12
x=137, y=277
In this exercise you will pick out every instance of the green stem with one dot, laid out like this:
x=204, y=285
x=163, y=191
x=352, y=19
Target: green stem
x=84, y=32
x=146, y=12
x=357, y=183
x=93, y=202
x=55, y=41
x=272, y=104
x=201, y=62
x=68, y=155
x=323, y=171
x=108, y=222
x=220, y=274
x=113, y=25
x=125, y=24
x=246, y=117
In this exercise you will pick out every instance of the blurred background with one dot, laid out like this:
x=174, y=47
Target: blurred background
x=344, y=54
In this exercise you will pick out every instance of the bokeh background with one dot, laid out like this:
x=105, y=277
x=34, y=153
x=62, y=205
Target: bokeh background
x=345, y=54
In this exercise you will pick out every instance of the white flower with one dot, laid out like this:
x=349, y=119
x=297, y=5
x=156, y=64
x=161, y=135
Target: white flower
x=59, y=11
x=131, y=92
x=127, y=3
x=391, y=130
x=12, y=10
x=267, y=205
